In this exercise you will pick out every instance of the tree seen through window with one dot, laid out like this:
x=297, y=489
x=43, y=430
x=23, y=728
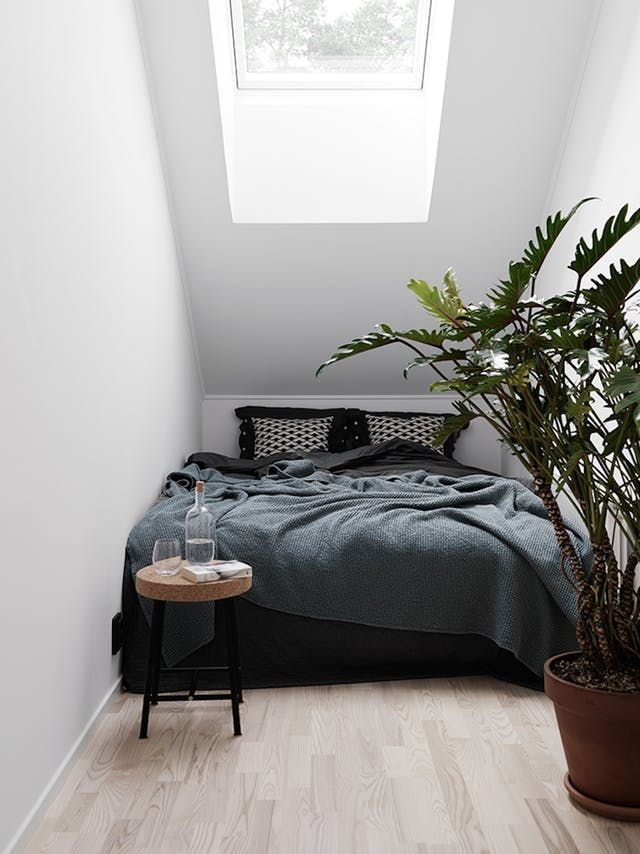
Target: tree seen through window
x=344, y=36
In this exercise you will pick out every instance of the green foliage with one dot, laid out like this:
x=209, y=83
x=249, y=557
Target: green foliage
x=443, y=303
x=380, y=338
x=421, y=361
x=588, y=254
x=509, y=292
x=538, y=248
x=359, y=345
x=612, y=292
x=420, y=336
x=559, y=380
x=454, y=424
x=624, y=390
x=578, y=405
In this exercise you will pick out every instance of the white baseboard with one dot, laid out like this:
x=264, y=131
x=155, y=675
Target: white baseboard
x=321, y=397
x=37, y=812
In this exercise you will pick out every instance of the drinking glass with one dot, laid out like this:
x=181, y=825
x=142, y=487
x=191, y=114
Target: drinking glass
x=167, y=557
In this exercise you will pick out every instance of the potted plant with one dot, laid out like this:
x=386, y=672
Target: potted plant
x=559, y=381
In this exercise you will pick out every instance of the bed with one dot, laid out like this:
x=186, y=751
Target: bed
x=383, y=561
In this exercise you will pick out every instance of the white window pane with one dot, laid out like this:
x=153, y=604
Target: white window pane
x=325, y=37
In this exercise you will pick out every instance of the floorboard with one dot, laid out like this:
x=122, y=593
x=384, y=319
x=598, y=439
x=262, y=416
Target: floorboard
x=442, y=766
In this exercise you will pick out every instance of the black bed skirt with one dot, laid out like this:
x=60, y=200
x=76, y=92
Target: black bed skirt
x=279, y=649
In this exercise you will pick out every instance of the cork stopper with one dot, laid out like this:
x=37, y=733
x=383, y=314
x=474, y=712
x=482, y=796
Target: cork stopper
x=199, y=485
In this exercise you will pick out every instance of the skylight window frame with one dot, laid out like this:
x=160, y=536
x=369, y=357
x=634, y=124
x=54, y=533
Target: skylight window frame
x=248, y=81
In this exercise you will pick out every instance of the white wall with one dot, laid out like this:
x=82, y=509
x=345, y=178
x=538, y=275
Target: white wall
x=100, y=392
x=601, y=152
x=271, y=302
x=600, y=156
x=477, y=445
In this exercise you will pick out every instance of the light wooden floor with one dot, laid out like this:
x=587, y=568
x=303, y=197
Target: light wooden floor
x=459, y=765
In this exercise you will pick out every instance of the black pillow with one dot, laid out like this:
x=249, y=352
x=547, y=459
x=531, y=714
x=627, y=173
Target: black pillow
x=370, y=428
x=266, y=430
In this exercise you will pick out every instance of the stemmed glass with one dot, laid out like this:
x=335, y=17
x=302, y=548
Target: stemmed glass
x=167, y=556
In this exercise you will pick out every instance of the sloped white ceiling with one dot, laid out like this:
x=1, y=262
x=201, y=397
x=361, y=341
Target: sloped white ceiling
x=270, y=302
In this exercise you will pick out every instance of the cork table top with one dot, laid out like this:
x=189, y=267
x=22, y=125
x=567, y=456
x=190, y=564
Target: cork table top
x=176, y=588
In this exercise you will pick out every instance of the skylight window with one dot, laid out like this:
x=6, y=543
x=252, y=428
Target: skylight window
x=330, y=109
x=330, y=44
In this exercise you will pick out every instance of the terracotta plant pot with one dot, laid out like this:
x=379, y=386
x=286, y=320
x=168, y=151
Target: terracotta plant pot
x=600, y=733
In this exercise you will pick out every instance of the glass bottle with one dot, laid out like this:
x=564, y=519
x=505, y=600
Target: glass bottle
x=198, y=531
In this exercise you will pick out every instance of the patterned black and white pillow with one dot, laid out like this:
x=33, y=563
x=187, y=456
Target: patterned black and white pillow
x=417, y=428
x=272, y=435
x=371, y=428
x=266, y=430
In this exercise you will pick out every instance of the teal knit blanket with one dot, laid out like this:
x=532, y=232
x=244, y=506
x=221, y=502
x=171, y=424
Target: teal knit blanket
x=421, y=552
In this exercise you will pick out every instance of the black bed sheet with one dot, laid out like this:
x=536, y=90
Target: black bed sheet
x=397, y=456
x=279, y=649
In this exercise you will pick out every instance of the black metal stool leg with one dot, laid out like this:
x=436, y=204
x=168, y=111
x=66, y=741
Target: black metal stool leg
x=194, y=684
x=234, y=663
x=158, y=660
x=236, y=647
x=153, y=663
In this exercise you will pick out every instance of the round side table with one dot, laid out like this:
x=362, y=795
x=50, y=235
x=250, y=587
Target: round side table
x=174, y=588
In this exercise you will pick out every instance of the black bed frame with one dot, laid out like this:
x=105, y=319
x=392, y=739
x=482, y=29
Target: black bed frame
x=278, y=649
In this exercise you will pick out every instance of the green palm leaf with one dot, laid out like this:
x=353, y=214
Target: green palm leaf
x=384, y=335
x=508, y=293
x=420, y=362
x=615, y=228
x=539, y=248
x=625, y=385
x=624, y=432
x=613, y=290
x=359, y=345
x=444, y=303
x=421, y=336
x=454, y=424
